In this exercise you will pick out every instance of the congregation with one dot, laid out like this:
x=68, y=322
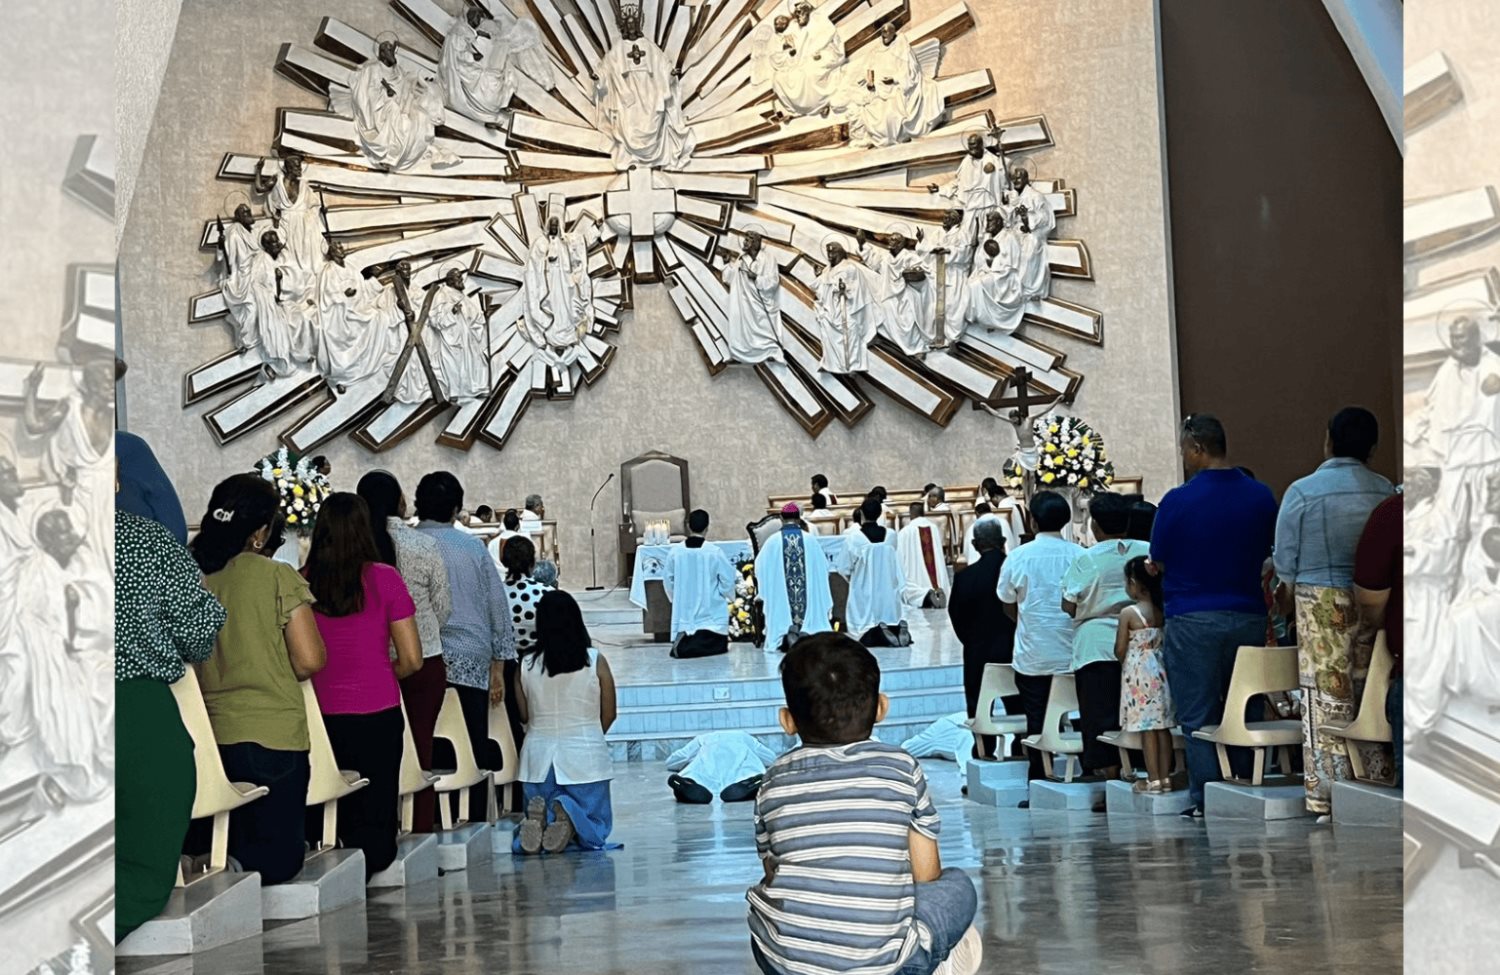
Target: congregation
x=1145, y=605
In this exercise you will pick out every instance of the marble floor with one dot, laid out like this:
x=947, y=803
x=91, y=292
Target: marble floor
x=1059, y=892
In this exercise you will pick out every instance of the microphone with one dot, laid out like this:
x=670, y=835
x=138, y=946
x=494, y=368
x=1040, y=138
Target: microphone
x=593, y=548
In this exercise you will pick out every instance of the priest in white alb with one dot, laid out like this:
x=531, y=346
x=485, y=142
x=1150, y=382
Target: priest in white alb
x=923, y=565
x=639, y=102
x=847, y=310
x=699, y=581
x=559, y=292
x=874, y=613
x=460, y=353
x=753, y=333
x=791, y=573
x=396, y=112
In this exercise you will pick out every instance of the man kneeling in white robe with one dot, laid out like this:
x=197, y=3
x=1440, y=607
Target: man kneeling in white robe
x=792, y=574
x=920, y=545
x=700, y=583
x=874, y=614
x=728, y=764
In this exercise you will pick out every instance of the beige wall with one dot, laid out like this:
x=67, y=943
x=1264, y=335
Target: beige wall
x=1089, y=67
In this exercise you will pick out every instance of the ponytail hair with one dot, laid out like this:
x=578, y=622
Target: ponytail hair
x=1145, y=574
x=239, y=507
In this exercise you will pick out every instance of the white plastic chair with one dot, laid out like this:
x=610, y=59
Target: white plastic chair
x=999, y=681
x=1370, y=723
x=326, y=783
x=413, y=778
x=509, y=772
x=467, y=773
x=1062, y=701
x=1257, y=670
x=215, y=795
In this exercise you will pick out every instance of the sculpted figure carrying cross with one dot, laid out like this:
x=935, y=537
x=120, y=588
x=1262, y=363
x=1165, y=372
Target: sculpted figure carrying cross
x=424, y=384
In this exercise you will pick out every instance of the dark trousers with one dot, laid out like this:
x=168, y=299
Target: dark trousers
x=369, y=744
x=1098, y=686
x=423, y=694
x=703, y=643
x=1034, y=692
x=1393, y=703
x=155, y=783
x=268, y=836
x=476, y=708
x=975, y=659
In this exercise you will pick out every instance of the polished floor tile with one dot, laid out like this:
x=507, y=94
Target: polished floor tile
x=1059, y=892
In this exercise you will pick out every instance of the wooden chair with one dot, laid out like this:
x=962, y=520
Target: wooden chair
x=215, y=795
x=503, y=780
x=999, y=681
x=1257, y=670
x=1370, y=723
x=413, y=778
x=326, y=783
x=1062, y=702
x=467, y=773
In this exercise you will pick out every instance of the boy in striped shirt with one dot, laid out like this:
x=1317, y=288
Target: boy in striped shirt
x=847, y=833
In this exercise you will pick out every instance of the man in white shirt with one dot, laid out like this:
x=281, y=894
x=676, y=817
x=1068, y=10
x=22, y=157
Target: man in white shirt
x=531, y=518
x=1030, y=588
x=510, y=525
x=874, y=614
x=699, y=581
x=923, y=568
x=1094, y=594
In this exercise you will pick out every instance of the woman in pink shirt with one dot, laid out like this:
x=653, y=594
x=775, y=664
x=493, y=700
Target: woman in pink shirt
x=363, y=611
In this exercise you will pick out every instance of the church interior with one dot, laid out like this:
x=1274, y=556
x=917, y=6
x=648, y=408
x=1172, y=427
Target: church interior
x=731, y=344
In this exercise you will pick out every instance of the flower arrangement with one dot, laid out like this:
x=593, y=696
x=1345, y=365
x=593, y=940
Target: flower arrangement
x=1071, y=455
x=1013, y=476
x=742, y=606
x=302, y=487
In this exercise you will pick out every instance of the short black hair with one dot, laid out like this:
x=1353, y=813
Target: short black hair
x=1111, y=511
x=1206, y=431
x=698, y=521
x=1142, y=520
x=484, y=513
x=1050, y=511
x=982, y=508
x=989, y=486
x=871, y=508
x=511, y=519
x=819, y=501
x=928, y=487
x=1353, y=432
x=439, y=496
x=819, y=481
x=880, y=492
x=832, y=686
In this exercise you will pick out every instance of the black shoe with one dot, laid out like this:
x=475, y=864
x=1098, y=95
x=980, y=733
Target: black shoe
x=1192, y=812
x=688, y=791
x=1024, y=804
x=741, y=791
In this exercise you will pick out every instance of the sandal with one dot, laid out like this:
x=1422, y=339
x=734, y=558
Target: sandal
x=1145, y=787
x=534, y=825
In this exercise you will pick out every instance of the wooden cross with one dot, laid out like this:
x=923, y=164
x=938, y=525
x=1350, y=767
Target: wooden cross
x=1022, y=401
x=414, y=343
x=641, y=202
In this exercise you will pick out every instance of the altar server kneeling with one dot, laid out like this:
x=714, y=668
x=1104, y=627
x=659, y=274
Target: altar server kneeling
x=700, y=583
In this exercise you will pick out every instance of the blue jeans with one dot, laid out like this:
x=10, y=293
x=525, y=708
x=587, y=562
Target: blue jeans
x=1199, y=651
x=946, y=905
x=1394, y=698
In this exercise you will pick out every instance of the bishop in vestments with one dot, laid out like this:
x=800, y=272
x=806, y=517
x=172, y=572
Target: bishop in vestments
x=920, y=545
x=700, y=583
x=792, y=573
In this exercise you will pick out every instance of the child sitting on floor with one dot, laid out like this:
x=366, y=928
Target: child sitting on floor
x=1145, y=698
x=847, y=832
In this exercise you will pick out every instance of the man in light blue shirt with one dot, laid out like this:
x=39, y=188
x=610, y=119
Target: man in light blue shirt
x=1317, y=534
x=699, y=581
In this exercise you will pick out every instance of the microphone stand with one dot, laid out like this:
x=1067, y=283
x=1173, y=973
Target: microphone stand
x=593, y=548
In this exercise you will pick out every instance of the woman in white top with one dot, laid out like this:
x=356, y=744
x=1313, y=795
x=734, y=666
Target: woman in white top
x=566, y=697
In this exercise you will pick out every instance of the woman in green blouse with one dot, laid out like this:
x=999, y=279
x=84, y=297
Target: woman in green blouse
x=164, y=619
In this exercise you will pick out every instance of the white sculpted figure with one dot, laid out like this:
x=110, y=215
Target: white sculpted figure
x=802, y=60
x=905, y=290
x=1023, y=194
x=640, y=105
x=16, y=547
x=396, y=113
x=1460, y=424
x=891, y=97
x=481, y=58
x=355, y=340
x=79, y=433
x=280, y=291
x=754, y=311
x=559, y=292
x=955, y=245
x=1036, y=273
x=979, y=185
x=847, y=310
x=456, y=325
x=295, y=216
x=237, y=247
x=996, y=300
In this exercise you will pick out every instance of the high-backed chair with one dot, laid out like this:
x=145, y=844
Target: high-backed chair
x=215, y=796
x=326, y=783
x=999, y=681
x=1062, y=701
x=762, y=531
x=413, y=778
x=1370, y=724
x=508, y=774
x=1257, y=671
x=466, y=773
x=653, y=487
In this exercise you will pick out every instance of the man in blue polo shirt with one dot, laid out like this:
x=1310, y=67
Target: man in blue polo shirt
x=1211, y=540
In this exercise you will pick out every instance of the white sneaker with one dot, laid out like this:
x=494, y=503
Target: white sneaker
x=965, y=957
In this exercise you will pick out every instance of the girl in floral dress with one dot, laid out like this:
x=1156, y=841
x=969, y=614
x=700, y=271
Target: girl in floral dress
x=1145, y=699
